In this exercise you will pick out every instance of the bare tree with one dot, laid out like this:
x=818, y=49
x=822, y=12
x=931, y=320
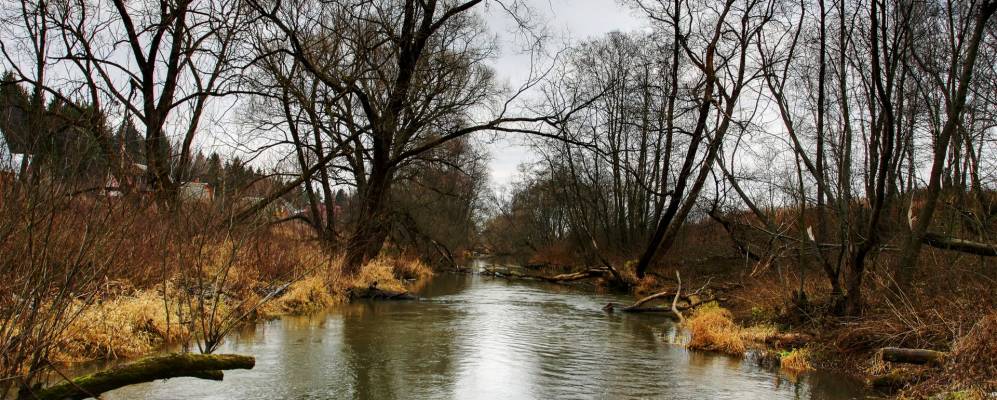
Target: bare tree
x=400, y=78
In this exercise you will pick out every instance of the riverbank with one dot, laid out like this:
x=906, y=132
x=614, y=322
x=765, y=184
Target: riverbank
x=476, y=337
x=130, y=322
x=765, y=315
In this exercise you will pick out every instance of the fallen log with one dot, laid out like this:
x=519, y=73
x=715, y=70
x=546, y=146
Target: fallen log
x=505, y=273
x=912, y=356
x=650, y=298
x=568, y=277
x=575, y=276
x=204, y=366
x=960, y=245
x=688, y=302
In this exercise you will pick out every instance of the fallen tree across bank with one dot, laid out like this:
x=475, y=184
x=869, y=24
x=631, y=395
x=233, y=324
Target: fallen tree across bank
x=204, y=366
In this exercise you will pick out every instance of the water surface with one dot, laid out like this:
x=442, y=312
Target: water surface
x=475, y=337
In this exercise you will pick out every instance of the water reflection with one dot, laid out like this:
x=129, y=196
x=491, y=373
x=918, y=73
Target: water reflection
x=476, y=337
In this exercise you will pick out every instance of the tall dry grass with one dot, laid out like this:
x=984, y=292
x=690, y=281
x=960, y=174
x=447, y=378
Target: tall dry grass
x=796, y=361
x=712, y=328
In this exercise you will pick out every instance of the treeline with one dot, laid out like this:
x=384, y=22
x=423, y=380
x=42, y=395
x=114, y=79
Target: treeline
x=362, y=109
x=59, y=145
x=831, y=135
x=851, y=113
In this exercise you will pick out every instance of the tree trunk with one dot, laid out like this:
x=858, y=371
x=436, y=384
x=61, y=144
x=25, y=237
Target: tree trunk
x=205, y=366
x=371, y=224
x=912, y=248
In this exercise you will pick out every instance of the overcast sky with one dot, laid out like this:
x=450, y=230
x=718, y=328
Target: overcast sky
x=567, y=21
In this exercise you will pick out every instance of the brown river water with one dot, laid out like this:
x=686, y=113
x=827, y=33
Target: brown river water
x=478, y=337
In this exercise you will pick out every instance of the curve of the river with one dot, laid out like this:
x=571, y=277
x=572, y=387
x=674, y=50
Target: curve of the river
x=475, y=337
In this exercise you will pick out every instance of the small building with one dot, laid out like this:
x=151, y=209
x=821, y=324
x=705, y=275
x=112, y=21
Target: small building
x=134, y=179
x=197, y=191
x=11, y=163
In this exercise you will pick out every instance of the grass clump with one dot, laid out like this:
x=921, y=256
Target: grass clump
x=712, y=328
x=412, y=269
x=385, y=274
x=796, y=360
x=306, y=295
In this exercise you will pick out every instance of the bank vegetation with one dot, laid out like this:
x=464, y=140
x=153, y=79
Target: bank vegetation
x=173, y=169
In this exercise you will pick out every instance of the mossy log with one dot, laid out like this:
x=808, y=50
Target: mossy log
x=912, y=356
x=204, y=366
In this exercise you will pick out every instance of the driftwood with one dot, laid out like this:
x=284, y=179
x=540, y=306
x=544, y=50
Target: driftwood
x=576, y=276
x=912, y=356
x=204, y=366
x=675, y=300
x=569, y=277
x=688, y=301
x=506, y=273
x=960, y=245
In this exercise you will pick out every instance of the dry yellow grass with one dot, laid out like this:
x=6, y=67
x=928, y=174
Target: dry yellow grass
x=972, y=363
x=796, y=361
x=711, y=328
x=131, y=325
x=307, y=295
x=123, y=327
x=380, y=273
x=412, y=269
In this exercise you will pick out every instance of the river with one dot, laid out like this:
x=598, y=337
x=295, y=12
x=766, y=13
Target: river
x=477, y=337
